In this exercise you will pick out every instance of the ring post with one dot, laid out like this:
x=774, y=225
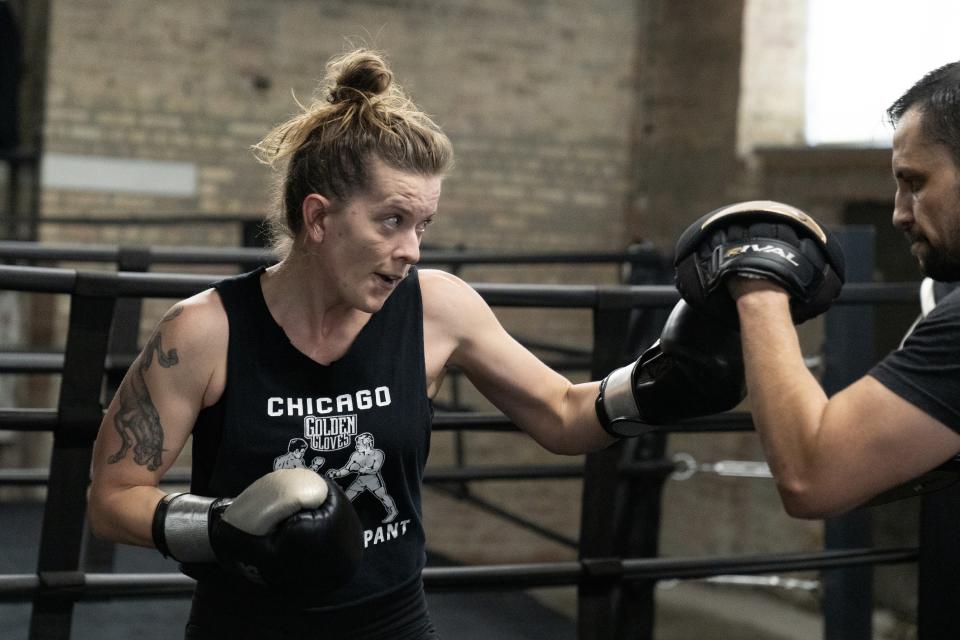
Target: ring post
x=614, y=503
x=848, y=593
x=98, y=554
x=79, y=413
x=597, y=598
x=939, y=566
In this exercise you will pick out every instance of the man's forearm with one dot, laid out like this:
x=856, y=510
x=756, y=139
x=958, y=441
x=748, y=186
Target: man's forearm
x=786, y=401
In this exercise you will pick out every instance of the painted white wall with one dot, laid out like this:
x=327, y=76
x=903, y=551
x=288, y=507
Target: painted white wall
x=127, y=175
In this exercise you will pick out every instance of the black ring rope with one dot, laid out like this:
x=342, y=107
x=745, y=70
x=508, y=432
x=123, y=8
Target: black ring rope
x=44, y=419
x=168, y=285
x=68, y=252
x=97, y=586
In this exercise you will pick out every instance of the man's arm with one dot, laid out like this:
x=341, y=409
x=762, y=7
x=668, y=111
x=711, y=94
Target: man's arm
x=827, y=455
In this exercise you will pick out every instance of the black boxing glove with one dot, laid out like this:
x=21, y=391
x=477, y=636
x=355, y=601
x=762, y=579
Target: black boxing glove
x=694, y=369
x=761, y=239
x=290, y=529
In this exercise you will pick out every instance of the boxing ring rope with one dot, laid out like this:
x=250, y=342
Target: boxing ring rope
x=600, y=573
x=82, y=586
x=141, y=258
x=110, y=253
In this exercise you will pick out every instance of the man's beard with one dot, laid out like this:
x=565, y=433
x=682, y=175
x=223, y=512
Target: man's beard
x=940, y=264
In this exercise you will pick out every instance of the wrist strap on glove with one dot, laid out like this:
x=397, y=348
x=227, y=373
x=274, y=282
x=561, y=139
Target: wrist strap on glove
x=615, y=400
x=181, y=526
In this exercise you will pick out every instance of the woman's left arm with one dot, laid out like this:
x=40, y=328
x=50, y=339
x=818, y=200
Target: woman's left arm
x=558, y=414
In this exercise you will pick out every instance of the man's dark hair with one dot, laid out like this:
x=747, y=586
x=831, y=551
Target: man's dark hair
x=937, y=95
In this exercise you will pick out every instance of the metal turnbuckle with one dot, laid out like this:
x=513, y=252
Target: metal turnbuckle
x=771, y=582
x=687, y=466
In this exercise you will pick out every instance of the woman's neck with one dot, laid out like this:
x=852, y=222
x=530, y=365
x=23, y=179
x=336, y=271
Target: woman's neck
x=307, y=306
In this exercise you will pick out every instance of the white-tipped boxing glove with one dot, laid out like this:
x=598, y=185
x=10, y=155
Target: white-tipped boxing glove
x=290, y=529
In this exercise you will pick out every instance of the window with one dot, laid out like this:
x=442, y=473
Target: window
x=863, y=54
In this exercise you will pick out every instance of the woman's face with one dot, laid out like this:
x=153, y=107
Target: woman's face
x=369, y=243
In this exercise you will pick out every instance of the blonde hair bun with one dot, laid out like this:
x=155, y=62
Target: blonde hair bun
x=358, y=75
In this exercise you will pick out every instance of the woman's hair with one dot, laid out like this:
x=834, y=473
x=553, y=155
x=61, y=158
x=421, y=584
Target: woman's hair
x=359, y=113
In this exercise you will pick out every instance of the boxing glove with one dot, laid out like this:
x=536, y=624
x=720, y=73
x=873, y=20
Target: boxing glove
x=694, y=369
x=290, y=529
x=760, y=239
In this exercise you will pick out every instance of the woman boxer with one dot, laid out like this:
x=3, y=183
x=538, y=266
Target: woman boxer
x=342, y=344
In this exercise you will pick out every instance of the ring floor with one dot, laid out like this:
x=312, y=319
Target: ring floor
x=688, y=611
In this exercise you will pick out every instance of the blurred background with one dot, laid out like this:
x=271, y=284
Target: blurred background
x=578, y=125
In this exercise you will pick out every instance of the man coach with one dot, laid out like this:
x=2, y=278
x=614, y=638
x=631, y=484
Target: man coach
x=902, y=419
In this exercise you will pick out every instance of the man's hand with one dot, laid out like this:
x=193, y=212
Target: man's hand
x=740, y=286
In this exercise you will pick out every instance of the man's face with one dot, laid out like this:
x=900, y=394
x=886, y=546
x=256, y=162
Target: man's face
x=927, y=204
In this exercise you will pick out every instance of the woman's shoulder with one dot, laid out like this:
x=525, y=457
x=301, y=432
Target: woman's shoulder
x=198, y=322
x=204, y=306
x=443, y=291
x=452, y=306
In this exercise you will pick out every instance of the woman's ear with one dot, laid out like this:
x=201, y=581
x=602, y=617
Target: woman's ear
x=315, y=209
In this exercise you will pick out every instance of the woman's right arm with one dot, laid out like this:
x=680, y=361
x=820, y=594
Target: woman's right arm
x=179, y=372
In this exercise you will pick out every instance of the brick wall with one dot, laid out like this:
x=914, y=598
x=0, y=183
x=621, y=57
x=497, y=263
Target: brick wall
x=535, y=96
x=772, y=77
x=688, y=87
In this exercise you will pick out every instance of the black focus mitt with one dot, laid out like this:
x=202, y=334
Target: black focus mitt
x=760, y=239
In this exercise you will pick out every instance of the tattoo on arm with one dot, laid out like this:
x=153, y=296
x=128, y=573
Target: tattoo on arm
x=137, y=420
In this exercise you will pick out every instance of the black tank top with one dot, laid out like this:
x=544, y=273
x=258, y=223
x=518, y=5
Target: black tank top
x=366, y=414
